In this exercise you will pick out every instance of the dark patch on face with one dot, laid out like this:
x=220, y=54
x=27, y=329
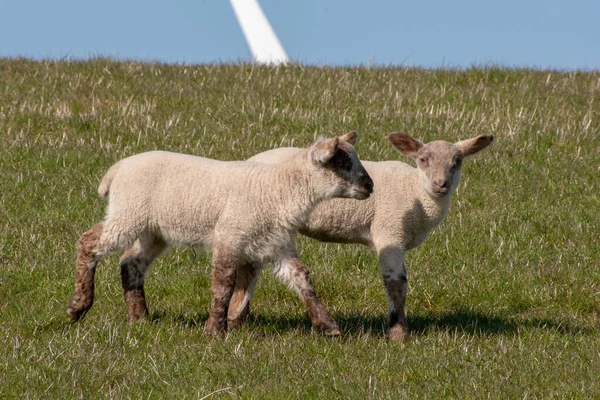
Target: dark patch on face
x=457, y=161
x=342, y=165
x=340, y=161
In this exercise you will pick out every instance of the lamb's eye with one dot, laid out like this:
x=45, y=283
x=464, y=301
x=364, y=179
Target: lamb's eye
x=423, y=160
x=458, y=162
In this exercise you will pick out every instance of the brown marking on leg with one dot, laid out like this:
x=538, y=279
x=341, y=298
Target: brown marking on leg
x=83, y=298
x=136, y=305
x=319, y=316
x=134, y=265
x=224, y=271
x=132, y=278
x=246, y=275
x=397, y=325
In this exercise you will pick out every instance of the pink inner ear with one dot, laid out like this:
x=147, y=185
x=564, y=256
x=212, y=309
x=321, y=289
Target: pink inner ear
x=405, y=144
x=481, y=140
x=410, y=147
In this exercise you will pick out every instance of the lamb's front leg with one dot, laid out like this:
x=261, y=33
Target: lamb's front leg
x=225, y=265
x=297, y=276
x=393, y=270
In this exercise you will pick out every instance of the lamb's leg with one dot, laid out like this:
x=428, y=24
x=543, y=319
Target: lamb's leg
x=297, y=276
x=134, y=265
x=87, y=259
x=393, y=270
x=225, y=266
x=239, y=306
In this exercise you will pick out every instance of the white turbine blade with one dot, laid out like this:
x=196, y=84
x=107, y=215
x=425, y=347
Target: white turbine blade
x=261, y=38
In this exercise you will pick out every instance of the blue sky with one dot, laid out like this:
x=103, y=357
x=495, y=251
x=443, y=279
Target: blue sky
x=525, y=33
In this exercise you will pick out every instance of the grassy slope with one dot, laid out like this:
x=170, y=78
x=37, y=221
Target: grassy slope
x=504, y=297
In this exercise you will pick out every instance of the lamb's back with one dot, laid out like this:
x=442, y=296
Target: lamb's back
x=180, y=195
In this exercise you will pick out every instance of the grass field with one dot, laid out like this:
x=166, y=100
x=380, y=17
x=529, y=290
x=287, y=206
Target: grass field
x=504, y=297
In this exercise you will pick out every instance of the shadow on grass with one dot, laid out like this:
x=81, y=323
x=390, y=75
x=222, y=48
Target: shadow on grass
x=467, y=322
x=266, y=324
x=188, y=320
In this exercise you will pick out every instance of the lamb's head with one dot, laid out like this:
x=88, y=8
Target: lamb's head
x=439, y=162
x=336, y=161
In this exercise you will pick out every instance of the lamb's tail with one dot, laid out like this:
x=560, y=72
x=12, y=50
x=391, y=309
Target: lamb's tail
x=104, y=187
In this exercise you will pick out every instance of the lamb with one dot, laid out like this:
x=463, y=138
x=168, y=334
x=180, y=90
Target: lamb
x=246, y=213
x=407, y=204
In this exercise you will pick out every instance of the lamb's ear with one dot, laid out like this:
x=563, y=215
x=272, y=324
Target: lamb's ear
x=405, y=144
x=472, y=146
x=323, y=150
x=349, y=137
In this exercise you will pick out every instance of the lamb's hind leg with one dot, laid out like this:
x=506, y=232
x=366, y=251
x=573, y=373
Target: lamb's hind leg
x=87, y=259
x=134, y=265
x=239, y=306
x=297, y=276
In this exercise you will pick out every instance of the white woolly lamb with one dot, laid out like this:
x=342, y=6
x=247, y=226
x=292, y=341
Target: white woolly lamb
x=247, y=213
x=407, y=204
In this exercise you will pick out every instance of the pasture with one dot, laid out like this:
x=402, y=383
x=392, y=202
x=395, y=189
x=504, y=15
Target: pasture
x=504, y=297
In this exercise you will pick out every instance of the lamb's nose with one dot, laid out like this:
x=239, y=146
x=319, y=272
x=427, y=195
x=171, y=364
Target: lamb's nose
x=369, y=185
x=441, y=183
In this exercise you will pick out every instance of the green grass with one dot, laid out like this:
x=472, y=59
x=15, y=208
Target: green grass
x=504, y=297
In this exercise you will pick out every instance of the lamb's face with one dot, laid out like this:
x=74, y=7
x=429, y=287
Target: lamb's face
x=338, y=164
x=439, y=165
x=439, y=162
x=350, y=176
